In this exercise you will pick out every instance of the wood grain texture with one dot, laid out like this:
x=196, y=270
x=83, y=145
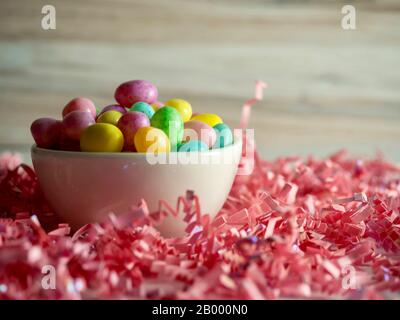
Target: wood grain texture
x=329, y=88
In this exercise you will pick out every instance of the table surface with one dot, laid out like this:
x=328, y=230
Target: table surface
x=329, y=88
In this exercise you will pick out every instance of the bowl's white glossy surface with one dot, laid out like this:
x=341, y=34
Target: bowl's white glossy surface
x=84, y=187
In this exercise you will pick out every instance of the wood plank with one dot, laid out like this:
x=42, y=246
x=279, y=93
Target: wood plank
x=329, y=88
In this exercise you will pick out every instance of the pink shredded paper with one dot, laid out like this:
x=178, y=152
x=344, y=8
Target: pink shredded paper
x=294, y=228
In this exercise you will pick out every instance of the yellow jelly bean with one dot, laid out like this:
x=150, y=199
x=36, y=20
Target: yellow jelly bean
x=102, y=137
x=111, y=117
x=209, y=118
x=151, y=140
x=183, y=107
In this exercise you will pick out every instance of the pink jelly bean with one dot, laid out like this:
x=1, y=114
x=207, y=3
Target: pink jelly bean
x=129, y=123
x=134, y=91
x=197, y=130
x=80, y=104
x=76, y=122
x=46, y=132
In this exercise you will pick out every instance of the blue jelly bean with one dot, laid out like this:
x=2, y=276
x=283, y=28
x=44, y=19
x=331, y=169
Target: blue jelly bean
x=224, y=135
x=193, y=145
x=144, y=108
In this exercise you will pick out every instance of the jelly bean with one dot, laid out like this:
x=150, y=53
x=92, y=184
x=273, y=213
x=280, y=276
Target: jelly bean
x=169, y=120
x=224, y=135
x=80, y=104
x=102, y=137
x=129, y=123
x=110, y=117
x=197, y=130
x=134, y=91
x=46, y=132
x=74, y=123
x=193, y=145
x=209, y=118
x=113, y=107
x=183, y=107
x=151, y=140
x=143, y=107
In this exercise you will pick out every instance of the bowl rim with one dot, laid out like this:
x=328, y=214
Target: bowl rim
x=37, y=150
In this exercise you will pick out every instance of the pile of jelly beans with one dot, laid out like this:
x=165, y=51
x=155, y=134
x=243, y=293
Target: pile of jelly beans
x=138, y=122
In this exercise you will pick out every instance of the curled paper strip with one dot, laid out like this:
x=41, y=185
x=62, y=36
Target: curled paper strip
x=281, y=234
x=293, y=228
x=246, y=109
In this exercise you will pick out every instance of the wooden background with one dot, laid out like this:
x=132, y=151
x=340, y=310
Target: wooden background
x=329, y=88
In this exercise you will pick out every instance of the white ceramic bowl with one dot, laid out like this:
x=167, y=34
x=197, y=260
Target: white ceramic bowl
x=84, y=187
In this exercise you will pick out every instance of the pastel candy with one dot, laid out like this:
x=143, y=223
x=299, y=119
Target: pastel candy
x=110, y=117
x=209, y=118
x=74, y=123
x=113, y=107
x=80, y=104
x=102, y=137
x=134, y=91
x=144, y=108
x=224, y=135
x=129, y=124
x=46, y=132
x=182, y=106
x=192, y=146
x=197, y=130
x=169, y=120
x=151, y=140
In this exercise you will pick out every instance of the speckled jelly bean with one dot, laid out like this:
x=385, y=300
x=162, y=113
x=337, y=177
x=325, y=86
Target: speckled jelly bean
x=151, y=140
x=144, y=108
x=209, y=118
x=192, y=146
x=169, y=120
x=113, y=107
x=74, y=123
x=224, y=135
x=129, y=123
x=110, y=117
x=134, y=91
x=182, y=106
x=80, y=104
x=102, y=137
x=46, y=132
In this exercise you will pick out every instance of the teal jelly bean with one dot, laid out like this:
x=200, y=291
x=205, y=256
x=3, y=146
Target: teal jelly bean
x=193, y=145
x=144, y=108
x=224, y=135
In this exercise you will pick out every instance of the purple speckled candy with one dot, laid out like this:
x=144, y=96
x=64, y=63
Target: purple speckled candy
x=113, y=107
x=76, y=122
x=129, y=123
x=46, y=132
x=134, y=91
